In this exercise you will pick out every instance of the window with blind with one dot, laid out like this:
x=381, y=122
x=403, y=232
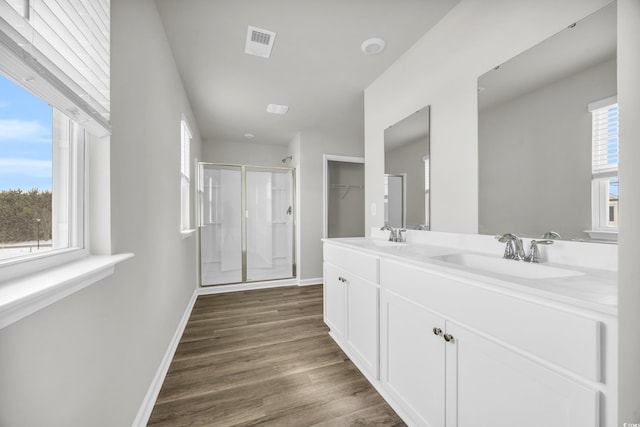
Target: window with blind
x=605, y=153
x=54, y=81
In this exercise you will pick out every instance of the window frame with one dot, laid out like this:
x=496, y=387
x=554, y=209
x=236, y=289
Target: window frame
x=600, y=178
x=186, y=136
x=73, y=206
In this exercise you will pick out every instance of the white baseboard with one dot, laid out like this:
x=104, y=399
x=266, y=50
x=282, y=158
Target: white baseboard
x=220, y=289
x=307, y=282
x=144, y=413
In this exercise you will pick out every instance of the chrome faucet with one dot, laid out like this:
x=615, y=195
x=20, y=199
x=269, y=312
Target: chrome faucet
x=514, y=249
x=395, y=234
x=534, y=253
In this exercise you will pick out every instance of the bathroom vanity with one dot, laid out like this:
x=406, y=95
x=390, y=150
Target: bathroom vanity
x=451, y=334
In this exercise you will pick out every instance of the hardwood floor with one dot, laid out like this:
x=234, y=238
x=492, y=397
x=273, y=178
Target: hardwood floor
x=264, y=357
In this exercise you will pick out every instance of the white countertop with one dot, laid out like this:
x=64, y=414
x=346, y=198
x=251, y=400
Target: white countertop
x=594, y=289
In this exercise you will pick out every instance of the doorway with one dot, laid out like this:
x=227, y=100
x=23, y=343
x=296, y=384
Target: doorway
x=343, y=196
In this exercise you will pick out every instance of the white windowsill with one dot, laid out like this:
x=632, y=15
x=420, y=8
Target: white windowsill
x=187, y=233
x=603, y=235
x=25, y=295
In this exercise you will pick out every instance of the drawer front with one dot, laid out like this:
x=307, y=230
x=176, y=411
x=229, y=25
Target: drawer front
x=561, y=338
x=358, y=263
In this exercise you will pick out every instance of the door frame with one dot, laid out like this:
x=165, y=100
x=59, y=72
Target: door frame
x=326, y=158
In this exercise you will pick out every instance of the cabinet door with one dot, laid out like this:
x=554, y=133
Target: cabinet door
x=413, y=359
x=335, y=301
x=362, y=322
x=491, y=385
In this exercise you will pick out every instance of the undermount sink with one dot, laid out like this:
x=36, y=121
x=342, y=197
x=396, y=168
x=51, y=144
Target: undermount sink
x=509, y=267
x=388, y=243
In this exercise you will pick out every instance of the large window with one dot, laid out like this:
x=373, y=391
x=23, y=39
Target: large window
x=185, y=176
x=41, y=177
x=605, y=168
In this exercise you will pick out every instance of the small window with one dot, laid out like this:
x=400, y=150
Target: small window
x=185, y=175
x=605, y=144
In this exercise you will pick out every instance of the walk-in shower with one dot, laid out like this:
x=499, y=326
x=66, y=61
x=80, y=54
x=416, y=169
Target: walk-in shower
x=246, y=223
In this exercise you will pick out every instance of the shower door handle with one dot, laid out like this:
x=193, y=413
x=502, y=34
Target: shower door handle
x=289, y=211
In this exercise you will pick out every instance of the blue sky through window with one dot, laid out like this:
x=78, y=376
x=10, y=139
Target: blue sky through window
x=25, y=139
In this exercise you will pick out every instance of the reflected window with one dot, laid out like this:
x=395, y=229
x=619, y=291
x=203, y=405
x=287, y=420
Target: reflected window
x=605, y=183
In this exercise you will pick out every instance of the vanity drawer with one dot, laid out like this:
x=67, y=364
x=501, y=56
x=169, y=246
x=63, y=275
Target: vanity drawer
x=363, y=265
x=565, y=339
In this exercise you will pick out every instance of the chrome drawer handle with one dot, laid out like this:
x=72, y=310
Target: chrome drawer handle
x=448, y=337
x=437, y=331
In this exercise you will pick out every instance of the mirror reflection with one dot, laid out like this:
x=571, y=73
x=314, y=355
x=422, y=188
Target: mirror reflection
x=406, y=167
x=545, y=162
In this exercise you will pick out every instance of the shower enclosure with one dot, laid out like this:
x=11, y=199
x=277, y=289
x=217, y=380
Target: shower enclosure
x=246, y=223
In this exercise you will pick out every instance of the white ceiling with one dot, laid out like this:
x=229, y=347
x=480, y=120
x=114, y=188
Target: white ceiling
x=316, y=67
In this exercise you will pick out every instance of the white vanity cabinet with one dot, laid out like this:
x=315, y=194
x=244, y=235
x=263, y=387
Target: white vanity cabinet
x=455, y=354
x=351, y=299
x=489, y=384
x=412, y=367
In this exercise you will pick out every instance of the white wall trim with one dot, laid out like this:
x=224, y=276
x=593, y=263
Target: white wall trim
x=326, y=158
x=144, y=413
x=309, y=282
x=20, y=297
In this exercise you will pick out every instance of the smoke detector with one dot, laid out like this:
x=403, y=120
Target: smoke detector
x=259, y=42
x=372, y=46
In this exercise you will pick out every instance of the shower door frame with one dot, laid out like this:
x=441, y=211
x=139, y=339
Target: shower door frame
x=243, y=229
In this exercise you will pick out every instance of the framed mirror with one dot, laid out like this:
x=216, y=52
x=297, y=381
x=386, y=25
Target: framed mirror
x=535, y=134
x=406, y=167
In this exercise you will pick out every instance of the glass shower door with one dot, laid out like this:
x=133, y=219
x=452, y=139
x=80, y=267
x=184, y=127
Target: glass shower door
x=220, y=224
x=269, y=224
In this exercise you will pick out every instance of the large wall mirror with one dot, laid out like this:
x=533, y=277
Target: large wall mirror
x=406, y=168
x=535, y=134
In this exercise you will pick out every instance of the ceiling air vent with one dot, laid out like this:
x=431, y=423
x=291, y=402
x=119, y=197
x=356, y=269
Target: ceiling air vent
x=259, y=42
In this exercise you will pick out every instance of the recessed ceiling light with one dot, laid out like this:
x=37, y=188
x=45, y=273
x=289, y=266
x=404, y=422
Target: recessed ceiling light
x=277, y=109
x=373, y=46
x=249, y=135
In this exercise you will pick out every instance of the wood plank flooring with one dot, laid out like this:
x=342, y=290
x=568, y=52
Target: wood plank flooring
x=264, y=357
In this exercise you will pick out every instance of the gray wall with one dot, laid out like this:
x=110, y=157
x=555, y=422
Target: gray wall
x=535, y=157
x=346, y=207
x=312, y=147
x=245, y=153
x=89, y=359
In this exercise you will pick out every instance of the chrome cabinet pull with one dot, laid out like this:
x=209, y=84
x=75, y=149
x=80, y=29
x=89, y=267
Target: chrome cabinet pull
x=448, y=337
x=342, y=279
x=437, y=331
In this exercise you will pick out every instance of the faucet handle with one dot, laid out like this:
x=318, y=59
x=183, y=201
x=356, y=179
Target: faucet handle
x=550, y=235
x=506, y=237
x=509, y=252
x=534, y=253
